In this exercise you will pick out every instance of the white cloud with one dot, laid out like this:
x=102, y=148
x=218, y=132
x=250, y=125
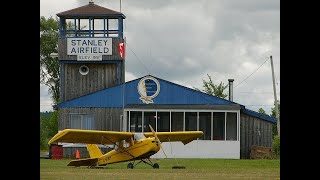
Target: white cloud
x=52, y=7
x=45, y=100
x=129, y=76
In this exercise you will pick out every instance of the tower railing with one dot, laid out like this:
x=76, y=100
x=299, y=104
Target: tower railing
x=90, y=33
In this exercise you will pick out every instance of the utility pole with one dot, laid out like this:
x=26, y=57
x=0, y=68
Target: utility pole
x=275, y=98
x=120, y=5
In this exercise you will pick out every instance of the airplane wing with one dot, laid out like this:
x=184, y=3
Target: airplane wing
x=184, y=136
x=89, y=136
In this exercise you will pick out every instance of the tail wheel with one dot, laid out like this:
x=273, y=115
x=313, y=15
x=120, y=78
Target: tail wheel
x=130, y=166
x=155, y=166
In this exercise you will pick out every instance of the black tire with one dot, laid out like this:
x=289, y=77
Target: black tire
x=130, y=166
x=155, y=166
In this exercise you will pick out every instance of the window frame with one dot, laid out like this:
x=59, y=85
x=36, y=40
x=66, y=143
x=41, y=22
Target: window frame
x=82, y=115
x=184, y=115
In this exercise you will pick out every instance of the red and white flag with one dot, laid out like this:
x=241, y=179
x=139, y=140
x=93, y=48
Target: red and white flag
x=121, y=50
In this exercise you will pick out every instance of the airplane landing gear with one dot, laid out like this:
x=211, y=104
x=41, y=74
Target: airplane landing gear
x=130, y=166
x=155, y=166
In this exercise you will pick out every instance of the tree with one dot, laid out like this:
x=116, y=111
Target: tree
x=49, y=75
x=48, y=128
x=212, y=89
x=273, y=110
x=43, y=135
x=49, y=66
x=273, y=114
x=262, y=111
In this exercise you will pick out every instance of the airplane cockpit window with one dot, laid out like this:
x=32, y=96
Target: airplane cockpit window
x=139, y=136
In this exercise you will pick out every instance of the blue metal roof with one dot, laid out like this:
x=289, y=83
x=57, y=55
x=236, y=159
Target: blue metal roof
x=170, y=94
x=259, y=115
x=111, y=97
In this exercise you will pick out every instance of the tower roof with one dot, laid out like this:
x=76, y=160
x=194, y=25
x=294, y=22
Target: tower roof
x=90, y=10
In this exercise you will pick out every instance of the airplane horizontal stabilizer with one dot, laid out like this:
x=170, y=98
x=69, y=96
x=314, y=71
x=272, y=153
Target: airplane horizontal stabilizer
x=84, y=162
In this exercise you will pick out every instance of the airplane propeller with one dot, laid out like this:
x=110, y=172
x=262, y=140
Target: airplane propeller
x=155, y=135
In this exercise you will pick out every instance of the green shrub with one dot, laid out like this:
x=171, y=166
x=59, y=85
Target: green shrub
x=48, y=128
x=43, y=139
x=276, y=146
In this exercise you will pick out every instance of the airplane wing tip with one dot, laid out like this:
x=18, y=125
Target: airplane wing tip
x=56, y=137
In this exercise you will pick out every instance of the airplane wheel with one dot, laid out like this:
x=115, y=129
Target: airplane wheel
x=155, y=166
x=130, y=166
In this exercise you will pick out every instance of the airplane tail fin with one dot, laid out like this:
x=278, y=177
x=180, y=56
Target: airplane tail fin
x=94, y=151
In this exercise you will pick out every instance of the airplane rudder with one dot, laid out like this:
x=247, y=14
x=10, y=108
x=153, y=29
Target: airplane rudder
x=94, y=150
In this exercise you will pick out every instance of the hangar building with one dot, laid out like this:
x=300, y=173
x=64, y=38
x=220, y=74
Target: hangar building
x=94, y=94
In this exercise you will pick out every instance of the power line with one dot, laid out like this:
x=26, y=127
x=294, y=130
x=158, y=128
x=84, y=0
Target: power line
x=252, y=73
x=138, y=58
x=135, y=53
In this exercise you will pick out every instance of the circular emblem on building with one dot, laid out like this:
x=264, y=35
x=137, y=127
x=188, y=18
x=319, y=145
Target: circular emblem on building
x=148, y=88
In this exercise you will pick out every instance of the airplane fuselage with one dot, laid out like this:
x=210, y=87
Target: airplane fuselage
x=139, y=150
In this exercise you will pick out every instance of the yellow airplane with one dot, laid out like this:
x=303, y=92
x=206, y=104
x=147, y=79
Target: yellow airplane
x=129, y=146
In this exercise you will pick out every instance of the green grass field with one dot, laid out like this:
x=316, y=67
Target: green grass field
x=195, y=169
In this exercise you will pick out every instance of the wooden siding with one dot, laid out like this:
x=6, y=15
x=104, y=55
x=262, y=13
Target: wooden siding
x=74, y=84
x=254, y=131
x=62, y=50
x=106, y=119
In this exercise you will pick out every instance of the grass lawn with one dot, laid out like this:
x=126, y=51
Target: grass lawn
x=44, y=151
x=195, y=169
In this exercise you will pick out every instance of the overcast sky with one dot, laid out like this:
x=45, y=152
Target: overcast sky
x=183, y=40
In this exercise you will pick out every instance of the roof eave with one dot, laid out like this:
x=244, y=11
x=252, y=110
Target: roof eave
x=109, y=16
x=260, y=116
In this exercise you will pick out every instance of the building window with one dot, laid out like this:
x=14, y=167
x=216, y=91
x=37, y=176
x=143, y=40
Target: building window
x=176, y=121
x=218, y=125
x=191, y=121
x=82, y=121
x=231, y=126
x=135, y=121
x=97, y=27
x=163, y=121
x=214, y=125
x=149, y=118
x=205, y=125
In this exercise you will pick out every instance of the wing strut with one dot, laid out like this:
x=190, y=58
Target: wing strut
x=172, y=153
x=115, y=144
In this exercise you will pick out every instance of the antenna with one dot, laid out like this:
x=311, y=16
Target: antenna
x=120, y=5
